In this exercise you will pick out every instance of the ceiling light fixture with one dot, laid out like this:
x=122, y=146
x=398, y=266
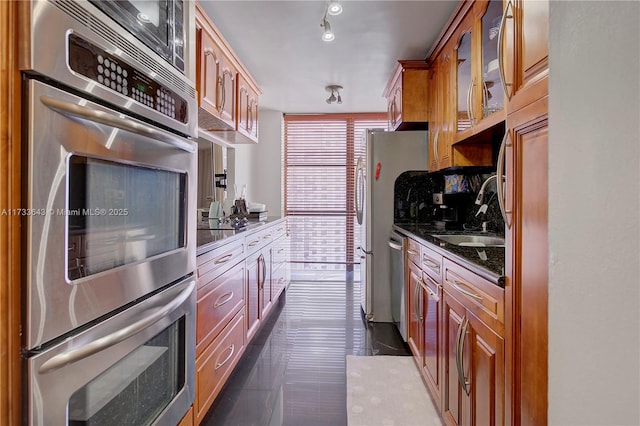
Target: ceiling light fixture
x=334, y=89
x=328, y=35
x=334, y=8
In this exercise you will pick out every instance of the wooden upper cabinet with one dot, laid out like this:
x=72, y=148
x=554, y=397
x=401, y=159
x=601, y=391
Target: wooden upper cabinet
x=525, y=55
x=463, y=71
x=247, y=114
x=479, y=93
x=209, y=73
x=407, y=95
x=216, y=82
x=227, y=94
x=444, y=152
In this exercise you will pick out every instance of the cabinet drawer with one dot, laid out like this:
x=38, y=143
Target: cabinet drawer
x=278, y=281
x=253, y=242
x=280, y=252
x=279, y=230
x=218, y=301
x=413, y=251
x=431, y=263
x=483, y=298
x=217, y=261
x=214, y=366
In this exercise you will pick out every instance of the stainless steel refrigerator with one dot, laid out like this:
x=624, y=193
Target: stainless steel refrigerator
x=386, y=156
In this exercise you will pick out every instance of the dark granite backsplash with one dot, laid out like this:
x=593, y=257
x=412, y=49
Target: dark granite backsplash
x=413, y=200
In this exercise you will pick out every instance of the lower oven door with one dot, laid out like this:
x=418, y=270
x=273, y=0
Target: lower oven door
x=135, y=368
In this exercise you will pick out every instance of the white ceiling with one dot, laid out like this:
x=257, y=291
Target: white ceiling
x=280, y=43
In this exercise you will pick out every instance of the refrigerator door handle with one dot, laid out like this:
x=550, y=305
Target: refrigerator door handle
x=357, y=193
x=364, y=251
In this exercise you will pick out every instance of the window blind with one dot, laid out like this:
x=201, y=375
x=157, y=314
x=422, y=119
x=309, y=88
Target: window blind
x=320, y=154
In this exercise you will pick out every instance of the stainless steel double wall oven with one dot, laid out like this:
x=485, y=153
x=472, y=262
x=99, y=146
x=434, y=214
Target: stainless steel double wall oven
x=110, y=201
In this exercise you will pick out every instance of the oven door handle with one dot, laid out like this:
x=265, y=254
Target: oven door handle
x=109, y=340
x=102, y=117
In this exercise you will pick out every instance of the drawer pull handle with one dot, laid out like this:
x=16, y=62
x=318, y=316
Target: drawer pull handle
x=431, y=263
x=280, y=251
x=458, y=285
x=412, y=252
x=267, y=236
x=227, y=297
x=426, y=287
x=253, y=243
x=223, y=259
x=232, y=349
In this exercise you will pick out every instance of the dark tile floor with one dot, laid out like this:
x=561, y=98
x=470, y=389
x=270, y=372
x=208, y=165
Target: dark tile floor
x=293, y=372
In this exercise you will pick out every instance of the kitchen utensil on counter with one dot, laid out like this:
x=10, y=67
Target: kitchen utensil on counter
x=215, y=210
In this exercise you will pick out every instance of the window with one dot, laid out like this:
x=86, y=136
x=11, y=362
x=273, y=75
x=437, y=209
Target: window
x=320, y=154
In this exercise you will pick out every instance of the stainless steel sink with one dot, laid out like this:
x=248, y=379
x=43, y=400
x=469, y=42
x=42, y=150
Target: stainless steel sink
x=472, y=240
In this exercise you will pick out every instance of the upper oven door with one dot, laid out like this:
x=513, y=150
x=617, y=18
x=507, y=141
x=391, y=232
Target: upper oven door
x=157, y=23
x=110, y=211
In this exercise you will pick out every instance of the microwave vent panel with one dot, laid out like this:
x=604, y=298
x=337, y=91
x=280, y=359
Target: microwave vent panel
x=90, y=21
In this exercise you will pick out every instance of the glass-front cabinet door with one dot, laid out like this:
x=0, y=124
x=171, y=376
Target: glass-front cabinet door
x=492, y=93
x=464, y=79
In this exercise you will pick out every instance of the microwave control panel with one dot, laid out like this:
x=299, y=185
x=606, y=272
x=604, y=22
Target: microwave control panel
x=111, y=71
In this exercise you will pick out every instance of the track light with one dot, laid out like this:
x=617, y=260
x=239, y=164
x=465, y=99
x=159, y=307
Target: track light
x=328, y=34
x=334, y=8
x=334, y=89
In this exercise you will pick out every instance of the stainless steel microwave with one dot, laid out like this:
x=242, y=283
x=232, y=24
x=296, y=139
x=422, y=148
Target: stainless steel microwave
x=162, y=25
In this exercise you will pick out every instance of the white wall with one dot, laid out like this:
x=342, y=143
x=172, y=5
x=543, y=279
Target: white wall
x=594, y=211
x=259, y=166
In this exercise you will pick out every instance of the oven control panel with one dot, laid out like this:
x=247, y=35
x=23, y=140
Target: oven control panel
x=108, y=70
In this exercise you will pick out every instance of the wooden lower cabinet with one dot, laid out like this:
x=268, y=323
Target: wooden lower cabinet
x=216, y=363
x=527, y=263
x=259, y=301
x=431, y=314
x=414, y=311
x=218, y=302
x=474, y=371
x=253, y=294
x=455, y=401
x=232, y=302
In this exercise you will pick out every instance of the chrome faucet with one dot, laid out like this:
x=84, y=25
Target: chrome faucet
x=480, y=196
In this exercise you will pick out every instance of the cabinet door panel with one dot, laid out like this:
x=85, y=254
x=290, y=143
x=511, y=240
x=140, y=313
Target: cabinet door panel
x=431, y=334
x=454, y=399
x=527, y=263
x=264, y=274
x=415, y=311
x=253, y=308
x=487, y=382
x=209, y=87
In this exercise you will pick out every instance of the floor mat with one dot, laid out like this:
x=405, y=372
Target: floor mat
x=388, y=391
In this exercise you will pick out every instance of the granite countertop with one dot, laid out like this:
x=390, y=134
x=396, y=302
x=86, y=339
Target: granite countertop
x=488, y=262
x=209, y=239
